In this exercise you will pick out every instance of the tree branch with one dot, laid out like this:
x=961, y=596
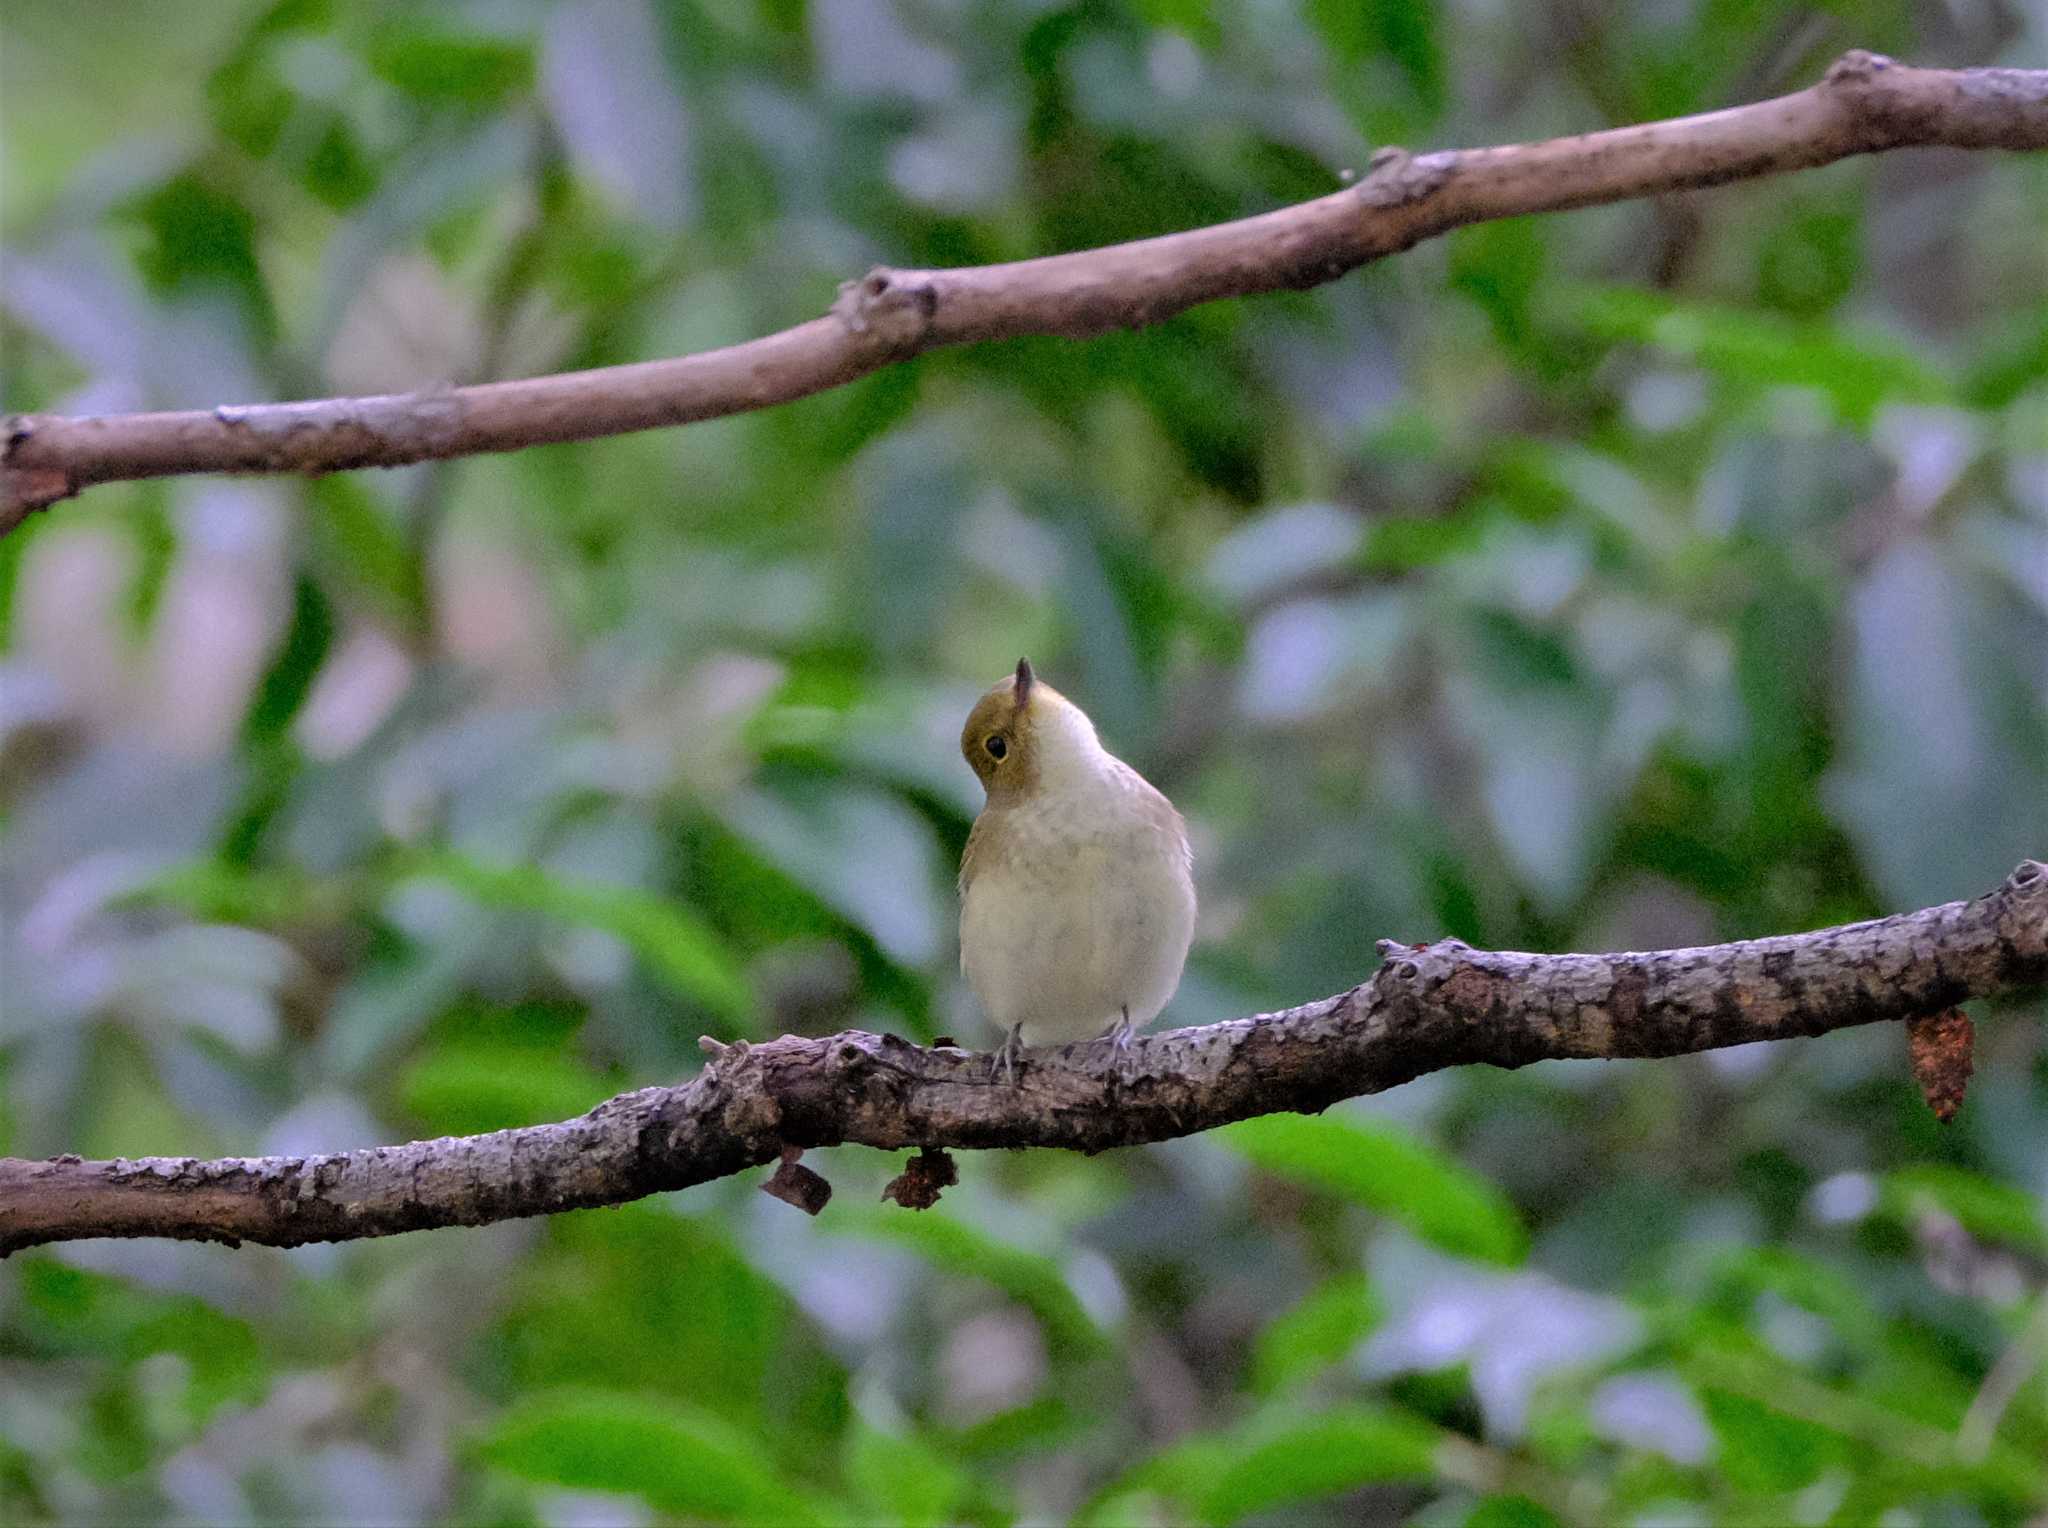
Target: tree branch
x=1428, y=1007
x=1865, y=104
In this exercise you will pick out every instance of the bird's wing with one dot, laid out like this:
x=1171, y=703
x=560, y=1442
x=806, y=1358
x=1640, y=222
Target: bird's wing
x=980, y=841
x=977, y=841
x=1160, y=814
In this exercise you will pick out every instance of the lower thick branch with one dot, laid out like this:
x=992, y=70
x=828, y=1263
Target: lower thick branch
x=1428, y=1007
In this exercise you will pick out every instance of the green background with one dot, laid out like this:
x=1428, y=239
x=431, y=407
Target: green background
x=1643, y=576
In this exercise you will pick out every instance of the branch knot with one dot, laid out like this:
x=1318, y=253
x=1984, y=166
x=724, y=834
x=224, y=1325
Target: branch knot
x=893, y=307
x=1856, y=67
x=1395, y=177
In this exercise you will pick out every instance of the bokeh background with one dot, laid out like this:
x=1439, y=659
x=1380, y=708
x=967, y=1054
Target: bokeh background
x=1659, y=574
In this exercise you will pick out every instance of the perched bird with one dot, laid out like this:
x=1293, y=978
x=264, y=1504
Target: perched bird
x=1077, y=901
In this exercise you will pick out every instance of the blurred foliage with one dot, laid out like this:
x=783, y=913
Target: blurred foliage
x=1643, y=576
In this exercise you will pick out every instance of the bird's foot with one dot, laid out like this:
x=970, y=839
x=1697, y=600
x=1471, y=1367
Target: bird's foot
x=1003, y=1059
x=1120, y=1046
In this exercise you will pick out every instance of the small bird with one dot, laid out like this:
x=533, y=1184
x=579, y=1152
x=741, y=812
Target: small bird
x=1077, y=894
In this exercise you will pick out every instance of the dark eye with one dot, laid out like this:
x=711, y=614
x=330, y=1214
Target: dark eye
x=996, y=746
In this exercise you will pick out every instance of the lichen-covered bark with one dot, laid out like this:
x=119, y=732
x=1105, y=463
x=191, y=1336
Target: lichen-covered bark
x=1444, y=1004
x=1865, y=104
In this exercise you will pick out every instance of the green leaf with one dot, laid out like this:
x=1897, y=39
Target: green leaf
x=1766, y=1450
x=219, y=892
x=641, y=1299
x=75, y=1312
x=1811, y=261
x=1988, y=1210
x=1397, y=543
x=1278, y=1459
x=291, y=673
x=1510, y=1512
x=199, y=238
x=1316, y=1333
x=337, y=168
x=358, y=547
x=2013, y=359
x=390, y=997
x=681, y=952
x=1782, y=1428
x=865, y=853
x=1321, y=1456
x=903, y=1478
x=1404, y=31
x=680, y=1459
x=1031, y=1278
x=224, y=1360
x=1385, y=1169
x=433, y=62
x=1500, y=267
x=1859, y=373
x=1740, y=1273
x=1184, y=1473
x=1194, y=17
x=469, y=1088
x=834, y=426
x=1039, y=1424
x=247, y=96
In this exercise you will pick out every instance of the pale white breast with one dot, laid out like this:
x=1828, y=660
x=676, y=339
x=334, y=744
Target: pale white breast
x=1081, y=908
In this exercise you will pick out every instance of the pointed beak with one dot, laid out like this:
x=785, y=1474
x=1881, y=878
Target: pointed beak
x=1025, y=679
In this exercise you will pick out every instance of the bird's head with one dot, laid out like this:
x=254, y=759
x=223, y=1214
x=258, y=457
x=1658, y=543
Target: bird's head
x=1024, y=735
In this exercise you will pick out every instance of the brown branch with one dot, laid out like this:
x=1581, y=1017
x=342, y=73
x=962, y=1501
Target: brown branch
x=1866, y=103
x=1428, y=1007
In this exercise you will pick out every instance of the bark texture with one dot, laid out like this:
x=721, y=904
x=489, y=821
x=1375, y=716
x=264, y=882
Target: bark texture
x=1428, y=1007
x=1866, y=103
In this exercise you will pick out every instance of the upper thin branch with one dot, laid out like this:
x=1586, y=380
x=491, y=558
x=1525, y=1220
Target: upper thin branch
x=1865, y=104
x=1429, y=1007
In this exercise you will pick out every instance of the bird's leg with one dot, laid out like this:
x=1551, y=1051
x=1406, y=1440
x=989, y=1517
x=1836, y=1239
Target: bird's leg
x=1120, y=1045
x=1003, y=1060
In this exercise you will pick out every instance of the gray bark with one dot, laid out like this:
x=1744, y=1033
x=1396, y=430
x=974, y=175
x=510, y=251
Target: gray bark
x=1440, y=1005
